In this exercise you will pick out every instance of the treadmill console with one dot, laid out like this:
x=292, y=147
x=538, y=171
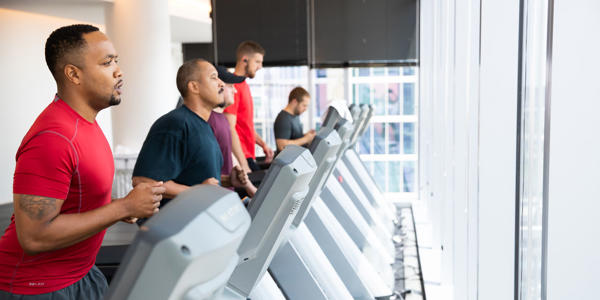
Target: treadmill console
x=187, y=250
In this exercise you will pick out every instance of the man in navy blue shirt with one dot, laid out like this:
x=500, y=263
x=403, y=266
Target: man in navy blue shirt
x=181, y=149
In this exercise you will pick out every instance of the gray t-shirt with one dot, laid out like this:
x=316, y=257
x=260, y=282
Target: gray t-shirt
x=287, y=126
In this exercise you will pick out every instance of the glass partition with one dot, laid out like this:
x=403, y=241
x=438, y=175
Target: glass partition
x=534, y=104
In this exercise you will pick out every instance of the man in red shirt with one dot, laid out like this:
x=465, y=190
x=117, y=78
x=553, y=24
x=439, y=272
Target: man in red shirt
x=240, y=115
x=63, y=178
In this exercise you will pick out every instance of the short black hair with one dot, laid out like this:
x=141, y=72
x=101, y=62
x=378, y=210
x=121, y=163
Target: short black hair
x=186, y=73
x=63, y=41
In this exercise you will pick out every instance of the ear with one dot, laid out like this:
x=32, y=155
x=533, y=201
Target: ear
x=193, y=87
x=72, y=74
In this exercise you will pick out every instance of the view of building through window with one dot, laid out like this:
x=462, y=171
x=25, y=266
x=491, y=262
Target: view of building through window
x=389, y=145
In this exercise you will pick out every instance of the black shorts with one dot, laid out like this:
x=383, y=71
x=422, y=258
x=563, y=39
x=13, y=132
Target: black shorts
x=91, y=287
x=252, y=164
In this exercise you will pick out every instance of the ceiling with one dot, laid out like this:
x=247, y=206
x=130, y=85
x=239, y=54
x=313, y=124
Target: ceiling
x=189, y=19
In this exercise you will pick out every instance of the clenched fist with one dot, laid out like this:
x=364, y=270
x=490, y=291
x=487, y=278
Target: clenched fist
x=143, y=201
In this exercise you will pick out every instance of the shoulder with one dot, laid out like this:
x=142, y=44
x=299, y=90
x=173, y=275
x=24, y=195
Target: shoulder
x=223, y=119
x=283, y=116
x=217, y=116
x=173, y=121
x=49, y=141
x=45, y=151
x=52, y=124
x=282, y=124
x=242, y=85
x=57, y=117
x=295, y=119
x=243, y=90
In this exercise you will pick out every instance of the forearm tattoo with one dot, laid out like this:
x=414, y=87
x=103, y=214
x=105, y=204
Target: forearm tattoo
x=37, y=207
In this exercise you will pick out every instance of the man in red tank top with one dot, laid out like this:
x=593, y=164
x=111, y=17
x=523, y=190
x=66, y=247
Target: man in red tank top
x=241, y=113
x=63, y=178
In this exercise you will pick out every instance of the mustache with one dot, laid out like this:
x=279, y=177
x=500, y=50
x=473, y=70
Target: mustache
x=221, y=90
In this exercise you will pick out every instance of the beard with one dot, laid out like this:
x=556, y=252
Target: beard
x=248, y=74
x=220, y=94
x=114, y=100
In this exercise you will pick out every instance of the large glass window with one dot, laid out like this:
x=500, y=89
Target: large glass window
x=388, y=146
x=270, y=90
x=391, y=140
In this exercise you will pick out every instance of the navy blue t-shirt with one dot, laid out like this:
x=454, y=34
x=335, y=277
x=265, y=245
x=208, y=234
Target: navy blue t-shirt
x=180, y=146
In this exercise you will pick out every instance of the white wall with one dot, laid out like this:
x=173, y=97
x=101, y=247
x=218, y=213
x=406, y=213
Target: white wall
x=28, y=86
x=497, y=151
x=469, y=71
x=574, y=189
x=25, y=81
x=89, y=11
x=466, y=140
x=140, y=31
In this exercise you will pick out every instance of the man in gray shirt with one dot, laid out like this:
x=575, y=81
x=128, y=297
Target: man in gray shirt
x=288, y=128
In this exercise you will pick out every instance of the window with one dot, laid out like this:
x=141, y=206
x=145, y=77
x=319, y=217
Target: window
x=391, y=140
x=270, y=90
x=389, y=146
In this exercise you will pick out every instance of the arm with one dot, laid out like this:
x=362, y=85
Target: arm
x=37, y=201
x=237, y=178
x=236, y=146
x=172, y=188
x=41, y=227
x=234, y=160
x=249, y=187
x=268, y=151
x=307, y=138
x=226, y=181
x=159, y=159
x=259, y=141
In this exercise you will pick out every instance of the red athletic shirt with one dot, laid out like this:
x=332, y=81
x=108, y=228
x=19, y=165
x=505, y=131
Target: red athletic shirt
x=243, y=108
x=63, y=156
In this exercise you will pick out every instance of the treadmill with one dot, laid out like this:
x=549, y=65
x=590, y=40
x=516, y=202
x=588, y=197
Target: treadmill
x=376, y=244
x=272, y=210
x=187, y=251
x=376, y=216
x=367, y=184
x=358, y=275
x=261, y=284
x=300, y=267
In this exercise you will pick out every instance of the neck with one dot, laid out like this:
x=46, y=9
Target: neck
x=290, y=109
x=199, y=107
x=239, y=69
x=78, y=103
x=219, y=109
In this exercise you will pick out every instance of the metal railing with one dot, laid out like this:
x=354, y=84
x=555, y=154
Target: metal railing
x=123, y=172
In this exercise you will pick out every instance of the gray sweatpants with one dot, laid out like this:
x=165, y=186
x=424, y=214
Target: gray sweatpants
x=91, y=287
